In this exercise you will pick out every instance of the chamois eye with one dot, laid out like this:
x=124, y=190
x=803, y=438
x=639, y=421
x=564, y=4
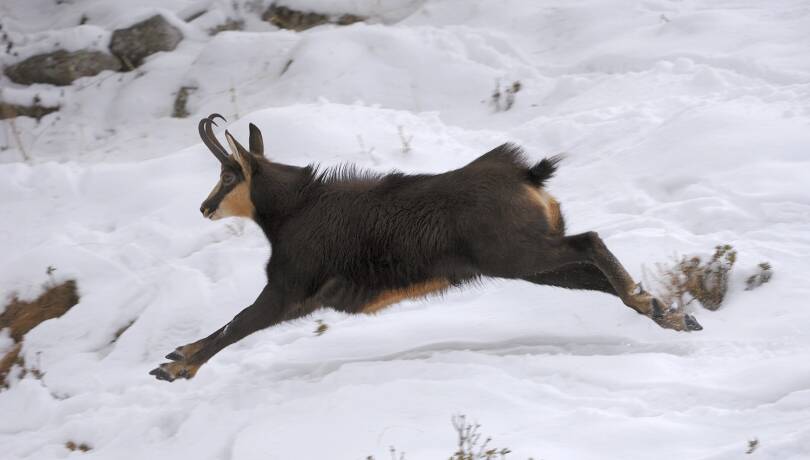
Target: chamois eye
x=228, y=178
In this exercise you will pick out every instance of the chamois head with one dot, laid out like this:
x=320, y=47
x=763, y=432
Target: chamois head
x=231, y=195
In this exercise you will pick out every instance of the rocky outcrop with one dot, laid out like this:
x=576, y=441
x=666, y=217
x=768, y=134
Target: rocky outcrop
x=61, y=67
x=133, y=44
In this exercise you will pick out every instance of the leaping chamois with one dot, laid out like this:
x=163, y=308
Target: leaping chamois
x=359, y=242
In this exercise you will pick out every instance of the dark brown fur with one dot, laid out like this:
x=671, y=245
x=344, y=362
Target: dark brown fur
x=358, y=241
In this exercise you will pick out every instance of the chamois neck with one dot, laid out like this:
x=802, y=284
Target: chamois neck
x=277, y=190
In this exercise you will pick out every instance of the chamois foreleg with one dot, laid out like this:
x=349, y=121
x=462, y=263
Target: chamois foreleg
x=271, y=307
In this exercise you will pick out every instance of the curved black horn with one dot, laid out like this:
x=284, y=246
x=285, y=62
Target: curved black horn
x=210, y=140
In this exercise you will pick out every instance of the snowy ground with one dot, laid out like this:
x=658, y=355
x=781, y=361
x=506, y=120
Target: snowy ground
x=687, y=124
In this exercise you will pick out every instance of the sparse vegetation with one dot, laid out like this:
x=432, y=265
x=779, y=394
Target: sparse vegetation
x=181, y=101
x=81, y=447
x=404, y=139
x=229, y=24
x=121, y=331
x=322, y=327
x=761, y=277
x=503, y=99
x=470, y=446
x=288, y=18
x=752, y=446
x=20, y=317
x=363, y=149
x=690, y=278
x=469, y=443
x=10, y=359
x=35, y=110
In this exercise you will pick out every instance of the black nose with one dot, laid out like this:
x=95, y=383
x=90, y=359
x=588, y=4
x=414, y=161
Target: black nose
x=202, y=210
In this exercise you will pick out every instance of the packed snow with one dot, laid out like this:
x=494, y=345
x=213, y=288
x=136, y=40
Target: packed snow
x=687, y=124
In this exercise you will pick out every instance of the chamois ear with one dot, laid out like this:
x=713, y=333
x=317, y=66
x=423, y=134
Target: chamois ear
x=240, y=154
x=256, y=143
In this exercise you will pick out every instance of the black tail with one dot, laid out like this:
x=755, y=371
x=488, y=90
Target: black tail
x=544, y=170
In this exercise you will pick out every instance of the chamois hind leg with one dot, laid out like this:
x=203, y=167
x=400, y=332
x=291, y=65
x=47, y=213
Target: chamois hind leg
x=267, y=310
x=535, y=258
x=575, y=276
x=591, y=246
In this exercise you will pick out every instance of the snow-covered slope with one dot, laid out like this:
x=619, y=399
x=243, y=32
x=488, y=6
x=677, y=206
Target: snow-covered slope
x=687, y=125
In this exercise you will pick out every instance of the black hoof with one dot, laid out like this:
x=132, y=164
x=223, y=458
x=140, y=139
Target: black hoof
x=174, y=356
x=691, y=323
x=161, y=374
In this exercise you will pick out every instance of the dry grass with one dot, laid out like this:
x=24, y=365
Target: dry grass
x=81, y=447
x=8, y=361
x=181, y=101
x=761, y=277
x=322, y=327
x=288, y=18
x=20, y=317
x=752, y=446
x=503, y=99
x=691, y=279
x=469, y=444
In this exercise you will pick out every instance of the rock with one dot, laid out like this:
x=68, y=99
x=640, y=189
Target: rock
x=133, y=44
x=61, y=67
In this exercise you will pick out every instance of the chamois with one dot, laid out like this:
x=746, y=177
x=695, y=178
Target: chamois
x=358, y=242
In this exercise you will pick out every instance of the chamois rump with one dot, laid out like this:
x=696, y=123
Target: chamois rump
x=357, y=241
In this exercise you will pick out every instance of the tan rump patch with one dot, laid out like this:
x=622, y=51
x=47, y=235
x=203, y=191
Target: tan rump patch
x=551, y=207
x=393, y=296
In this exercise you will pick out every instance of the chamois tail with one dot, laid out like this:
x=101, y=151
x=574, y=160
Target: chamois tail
x=544, y=170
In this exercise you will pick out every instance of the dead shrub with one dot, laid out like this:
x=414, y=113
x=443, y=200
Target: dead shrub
x=181, y=101
x=72, y=446
x=469, y=444
x=322, y=327
x=690, y=278
x=761, y=277
x=503, y=99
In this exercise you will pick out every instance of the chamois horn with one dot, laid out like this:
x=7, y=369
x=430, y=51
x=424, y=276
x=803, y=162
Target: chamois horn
x=210, y=140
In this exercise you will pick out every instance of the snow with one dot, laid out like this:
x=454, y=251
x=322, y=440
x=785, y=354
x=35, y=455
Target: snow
x=686, y=125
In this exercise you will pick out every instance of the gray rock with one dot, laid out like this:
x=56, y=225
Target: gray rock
x=133, y=44
x=61, y=67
